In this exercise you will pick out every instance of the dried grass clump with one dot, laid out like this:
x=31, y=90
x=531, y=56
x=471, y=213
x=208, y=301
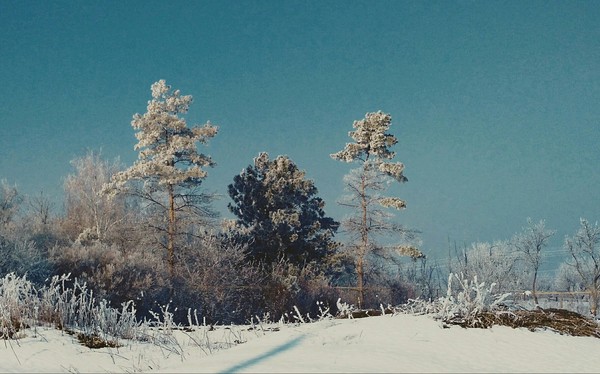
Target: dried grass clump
x=560, y=320
x=475, y=305
x=94, y=341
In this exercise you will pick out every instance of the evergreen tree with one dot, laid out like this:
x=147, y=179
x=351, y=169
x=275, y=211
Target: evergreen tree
x=371, y=151
x=279, y=212
x=169, y=164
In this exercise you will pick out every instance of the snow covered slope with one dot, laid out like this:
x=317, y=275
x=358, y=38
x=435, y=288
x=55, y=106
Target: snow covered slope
x=400, y=343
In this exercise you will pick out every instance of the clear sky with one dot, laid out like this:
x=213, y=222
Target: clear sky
x=495, y=103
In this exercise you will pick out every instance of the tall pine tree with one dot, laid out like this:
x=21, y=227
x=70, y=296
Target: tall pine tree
x=371, y=151
x=169, y=164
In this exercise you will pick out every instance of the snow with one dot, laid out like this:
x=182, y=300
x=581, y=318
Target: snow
x=398, y=343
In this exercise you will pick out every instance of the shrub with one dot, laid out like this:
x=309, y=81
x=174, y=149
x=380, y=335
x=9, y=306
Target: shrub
x=22, y=256
x=16, y=304
x=289, y=287
x=214, y=277
x=69, y=308
x=111, y=273
x=466, y=305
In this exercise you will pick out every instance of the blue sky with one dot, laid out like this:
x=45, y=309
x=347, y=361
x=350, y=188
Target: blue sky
x=495, y=103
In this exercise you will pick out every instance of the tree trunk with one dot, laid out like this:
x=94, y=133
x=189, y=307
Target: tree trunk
x=533, y=288
x=595, y=295
x=171, y=233
x=359, y=280
x=594, y=302
x=365, y=242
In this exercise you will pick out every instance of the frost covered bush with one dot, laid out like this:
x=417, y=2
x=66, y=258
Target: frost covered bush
x=20, y=255
x=23, y=252
x=344, y=309
x=68, y=304
x=291, y=286
x=418, y=307
x=467, y=304
x=110, y=272
x=214, y=277
x=495, y=262
x=70, y=308
x=464, y=304
x=16, y=304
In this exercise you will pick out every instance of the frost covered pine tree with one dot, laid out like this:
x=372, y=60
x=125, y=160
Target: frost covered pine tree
x=371, y=151
x=279, y=213
x=169, y=164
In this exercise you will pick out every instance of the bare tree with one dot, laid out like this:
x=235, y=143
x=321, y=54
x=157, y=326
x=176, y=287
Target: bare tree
x=169, y=164
x=18, y=250
x=584, y=248
x=426, y=276
x=371, y=151
x=530, y=243
x=10, y=203
x=89, y=212
x=41, y=208
x=567, y=279
x=490, y=262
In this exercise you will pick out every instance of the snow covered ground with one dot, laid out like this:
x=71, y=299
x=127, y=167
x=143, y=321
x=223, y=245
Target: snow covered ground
x=399, y=343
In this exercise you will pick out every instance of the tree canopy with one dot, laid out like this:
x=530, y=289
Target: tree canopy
x=278, y=210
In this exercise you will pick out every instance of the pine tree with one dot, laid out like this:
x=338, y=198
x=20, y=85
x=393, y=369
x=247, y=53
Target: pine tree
x=279, y=212
x=169, y=162
x=371, y=151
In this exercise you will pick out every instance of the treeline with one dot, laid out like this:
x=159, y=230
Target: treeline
x=229, y=270
x=148, y=232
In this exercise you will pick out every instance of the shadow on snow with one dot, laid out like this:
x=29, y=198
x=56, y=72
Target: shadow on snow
x=273, y=352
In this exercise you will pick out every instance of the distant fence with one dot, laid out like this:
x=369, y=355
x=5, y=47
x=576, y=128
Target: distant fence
x=559, y=297
x=575, y=300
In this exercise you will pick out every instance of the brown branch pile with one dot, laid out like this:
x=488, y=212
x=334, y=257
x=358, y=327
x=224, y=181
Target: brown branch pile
x=562, y=321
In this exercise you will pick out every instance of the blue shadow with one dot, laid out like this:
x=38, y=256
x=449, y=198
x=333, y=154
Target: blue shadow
x=273, y=352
